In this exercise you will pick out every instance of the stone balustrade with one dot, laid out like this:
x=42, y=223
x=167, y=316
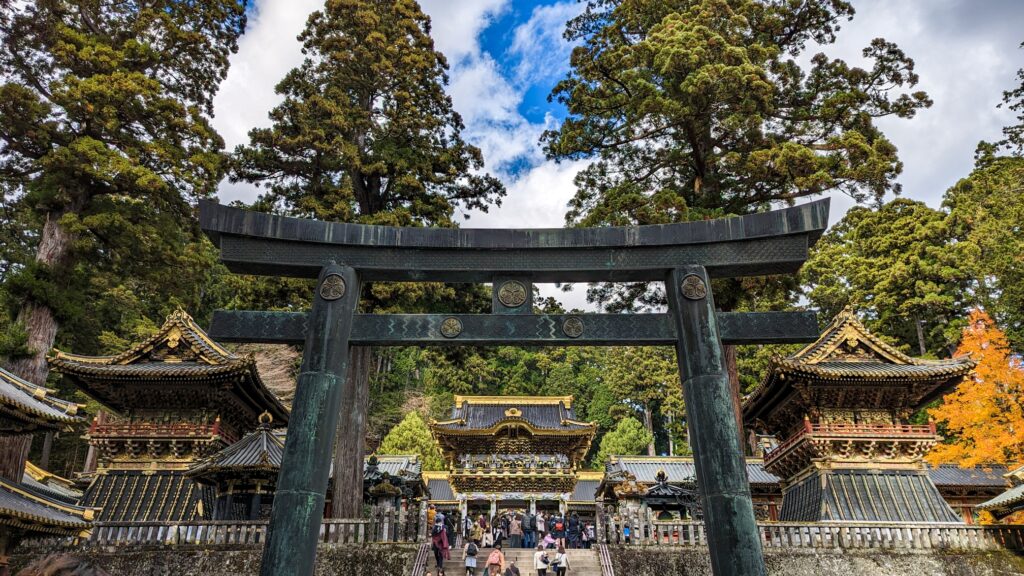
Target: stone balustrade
x=637, y=532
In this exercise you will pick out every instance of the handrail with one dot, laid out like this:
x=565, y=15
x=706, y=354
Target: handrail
x=607, y=569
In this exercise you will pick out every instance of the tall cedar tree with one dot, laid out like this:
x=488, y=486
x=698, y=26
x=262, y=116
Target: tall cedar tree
x=104, y=140
x=699, y=108
x=692, y=109
x=367, y=134
x=985, y=414
x=986, y=216
x=900, y=267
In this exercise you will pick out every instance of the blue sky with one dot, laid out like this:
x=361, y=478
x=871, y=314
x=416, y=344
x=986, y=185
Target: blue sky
x=506, y=55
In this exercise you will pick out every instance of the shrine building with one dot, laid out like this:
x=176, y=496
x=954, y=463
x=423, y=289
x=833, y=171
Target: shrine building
x=174, y=399
x=841, y=408
x=513, y=452
x=33, y=503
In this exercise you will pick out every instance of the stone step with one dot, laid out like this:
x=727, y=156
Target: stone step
x=582, y=562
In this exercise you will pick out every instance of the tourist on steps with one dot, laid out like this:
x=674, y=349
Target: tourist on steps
x=541, y=561
x=515, y=532
x=469, y=552
x=439, y=543
x=573, y=531
x=496, y=561
x=529, y=530
x=561, y=562
x=512, y=569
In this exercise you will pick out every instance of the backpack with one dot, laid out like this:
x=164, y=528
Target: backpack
x=471, y=550
x=494, y=558
x=530, y=522
x=436, y=530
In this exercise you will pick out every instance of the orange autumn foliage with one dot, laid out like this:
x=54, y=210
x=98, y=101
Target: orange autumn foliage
x=984, y=416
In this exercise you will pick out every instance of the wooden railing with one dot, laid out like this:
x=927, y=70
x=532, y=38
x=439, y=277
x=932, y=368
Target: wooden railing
x=381, y=526
x=636, y=532
x=852, y=431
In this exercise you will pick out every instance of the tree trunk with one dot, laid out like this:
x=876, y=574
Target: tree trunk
x=36, y=318
x=13, y=453
x=734, y=383
x=921, y=345
x=349, y=448
x=649, y=424
x=44, y=459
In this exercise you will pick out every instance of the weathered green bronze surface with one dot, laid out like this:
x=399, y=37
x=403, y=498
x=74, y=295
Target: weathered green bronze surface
x=757, y=244
x=526, y=330
x=733, y=537
x=302, y=483
x=685, y=256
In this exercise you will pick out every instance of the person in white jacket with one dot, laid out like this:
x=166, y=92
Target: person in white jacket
x=561, y=562
x=540, y=560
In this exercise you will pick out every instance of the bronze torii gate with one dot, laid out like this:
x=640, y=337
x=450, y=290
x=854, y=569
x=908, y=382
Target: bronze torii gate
x=684, y=256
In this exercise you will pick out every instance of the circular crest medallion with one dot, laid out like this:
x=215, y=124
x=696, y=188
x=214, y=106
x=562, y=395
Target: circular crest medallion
x=573, y=327
x=512, y=294
x=333, y=287
x=693, y=287
x=451, y=327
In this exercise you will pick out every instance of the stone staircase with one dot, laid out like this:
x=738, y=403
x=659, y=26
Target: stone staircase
x=581, y=562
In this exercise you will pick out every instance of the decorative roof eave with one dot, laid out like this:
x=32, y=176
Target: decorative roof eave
x=213, y=362
x=1006, y=503
x=956, y=367
x=515, y=400
x=439, y=429
x=35, y=404
x=66, y=518
x=846, y=330
x=260, y=451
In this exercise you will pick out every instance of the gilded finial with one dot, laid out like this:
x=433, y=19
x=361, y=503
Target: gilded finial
x=265, y=419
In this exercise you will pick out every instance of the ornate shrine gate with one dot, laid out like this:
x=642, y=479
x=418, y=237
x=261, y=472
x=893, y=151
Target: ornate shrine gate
x=684, y=256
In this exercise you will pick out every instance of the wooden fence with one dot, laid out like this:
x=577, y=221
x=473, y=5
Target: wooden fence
x=636, y=532
x=381, y=526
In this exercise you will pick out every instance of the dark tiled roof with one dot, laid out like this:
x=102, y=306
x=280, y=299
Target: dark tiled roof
x=585, y=491
x=554, y=413
x=678, y=469
x=953, y=475
x=179, y=351
x=847, y=352
x=1006, y=503
x=866, y=496
x=25, y=406
x=24, y=508
x=261, y=450
x=398, y=465
x=136, y=496
x=440, y=489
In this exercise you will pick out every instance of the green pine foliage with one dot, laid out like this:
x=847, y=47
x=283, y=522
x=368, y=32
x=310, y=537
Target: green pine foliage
x=412, y=436
x=897, y=266
x=986, y=220
x=366, y=132
x=692, y=109
x=106, y=144
x=629, y=438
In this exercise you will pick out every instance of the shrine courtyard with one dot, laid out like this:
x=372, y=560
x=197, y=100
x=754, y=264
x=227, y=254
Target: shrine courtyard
x=200, y=469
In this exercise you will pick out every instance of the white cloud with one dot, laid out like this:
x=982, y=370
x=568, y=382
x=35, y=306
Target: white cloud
x=542, y=51
x=965, y=54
